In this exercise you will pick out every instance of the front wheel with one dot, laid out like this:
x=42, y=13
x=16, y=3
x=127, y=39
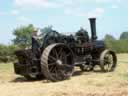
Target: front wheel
x=108, y=61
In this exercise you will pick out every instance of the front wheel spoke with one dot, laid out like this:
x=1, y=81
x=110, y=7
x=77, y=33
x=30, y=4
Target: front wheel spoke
x=111, y=62
x=109, y=66
x=110, y=58
x=106, y=67
x=106, y=60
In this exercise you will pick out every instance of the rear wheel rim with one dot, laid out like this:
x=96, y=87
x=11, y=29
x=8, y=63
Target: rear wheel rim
x=58, y=61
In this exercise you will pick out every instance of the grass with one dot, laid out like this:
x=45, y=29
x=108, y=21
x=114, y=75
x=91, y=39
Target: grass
x=84, y=84
x=6, y=67
x=6, y=72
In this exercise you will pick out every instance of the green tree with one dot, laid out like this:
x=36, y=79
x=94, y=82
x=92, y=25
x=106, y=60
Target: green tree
x=7, y=52
x=109, y=37
x=23, y=36
x=124, y=36
x=120, y=46
x=47, y=29
x=109, y=41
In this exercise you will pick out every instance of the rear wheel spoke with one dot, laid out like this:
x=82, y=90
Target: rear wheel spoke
x=68, y=54
x=52, y=64
x=51, y=69
x=60, y=51
x=53, y=58
x=56, y=55
x=54, y=68
x=66, y=65
x=61, y=56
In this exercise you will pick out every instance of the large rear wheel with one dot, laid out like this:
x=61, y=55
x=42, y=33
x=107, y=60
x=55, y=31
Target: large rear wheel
x=57, y=62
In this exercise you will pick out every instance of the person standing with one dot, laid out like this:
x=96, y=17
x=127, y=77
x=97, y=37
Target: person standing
x=35, y=44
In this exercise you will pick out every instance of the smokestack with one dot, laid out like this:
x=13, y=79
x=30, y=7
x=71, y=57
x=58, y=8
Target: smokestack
x=93, y=28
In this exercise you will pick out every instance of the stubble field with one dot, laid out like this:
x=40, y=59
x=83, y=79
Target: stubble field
x=81, y=84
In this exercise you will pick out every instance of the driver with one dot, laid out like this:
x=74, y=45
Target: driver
x=35, y=44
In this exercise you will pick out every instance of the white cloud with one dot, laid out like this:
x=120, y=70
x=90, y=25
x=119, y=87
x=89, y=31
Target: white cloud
x=96, y=12
x=119, y=1
x=68, y=12
x=108, y=1
x=3, y=13
x=68, y=2
x=74, y=12
x=23, y=19
x=15, y=12
x=10, y=12
x=103, y=1
x=114, y=6
x=35, y=4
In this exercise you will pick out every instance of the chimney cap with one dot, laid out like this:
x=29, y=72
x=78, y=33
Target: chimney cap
x=92, y=18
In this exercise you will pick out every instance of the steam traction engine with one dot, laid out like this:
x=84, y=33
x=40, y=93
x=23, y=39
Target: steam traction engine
x=56, y=58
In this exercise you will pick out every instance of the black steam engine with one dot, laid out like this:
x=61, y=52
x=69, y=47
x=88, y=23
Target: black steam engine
x=56, y=58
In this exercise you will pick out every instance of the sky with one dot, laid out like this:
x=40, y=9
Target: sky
x=66, y=16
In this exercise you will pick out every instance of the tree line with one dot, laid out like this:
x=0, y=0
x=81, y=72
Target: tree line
x=23, y=39
x=119, y=45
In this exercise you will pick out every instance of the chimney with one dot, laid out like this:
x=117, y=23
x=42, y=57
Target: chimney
x=93, y=28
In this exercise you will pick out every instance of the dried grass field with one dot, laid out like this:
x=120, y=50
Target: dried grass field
x=81, y=84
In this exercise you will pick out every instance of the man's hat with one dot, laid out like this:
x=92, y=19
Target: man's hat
x=36, y=29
